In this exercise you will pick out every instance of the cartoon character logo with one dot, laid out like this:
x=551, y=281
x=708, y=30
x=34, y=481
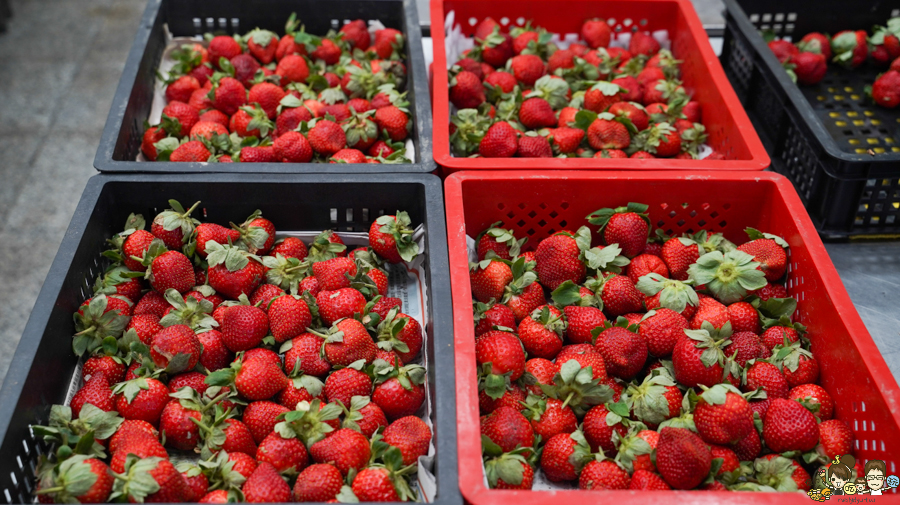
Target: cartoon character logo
x=840, y=473
x=841, y=478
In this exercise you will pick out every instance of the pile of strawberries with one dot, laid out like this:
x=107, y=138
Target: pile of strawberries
x=807, y=61
x=295, y=99
x=663, y=363
x=222, y=365
x=518, y=94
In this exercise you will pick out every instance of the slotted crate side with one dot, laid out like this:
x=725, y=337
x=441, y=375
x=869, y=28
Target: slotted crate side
x=852, y=369
x=818, y=136
x=131, y=105
x=725, y=120
x=42, y=369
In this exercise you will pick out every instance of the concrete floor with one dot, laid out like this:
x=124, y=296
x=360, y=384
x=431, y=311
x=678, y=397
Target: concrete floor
x=55, y=92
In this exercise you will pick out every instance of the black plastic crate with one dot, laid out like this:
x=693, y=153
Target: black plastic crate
x=121, y=141
x=820, y=136
x=43, y=366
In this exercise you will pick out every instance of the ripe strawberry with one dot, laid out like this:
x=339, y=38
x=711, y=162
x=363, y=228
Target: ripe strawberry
x=603, y=475
x=210, y=232
x=500, y=141
x=783, y=50
x=238, y=437
x=232, y=283
x=599, y=432
x=711, y=311
x=527, y=68
x=289, y=317
x=390, y=236
x=489, y=280
x=284, y=454
x=292, y=68
x=503, y=350
x=619, y=295
x=743, y=317
x=550, y=417
x=810, y=68
x=599, y=97
x=722, y=416
x=596, y=33
x=608, y=134
x=223, y=46
x=779, y=335
x=95, y=391
x=259, y=380
x=643, y=43
x=788, y=426
x=190, y=151
x=744, y=346
x=244, y=464
x=466, y=91
x=265, y=485
x=850, y=48
x=624, y=351
x=884, y=90
x=566, y=140
x=327, y=51
x=175, y=348
x=679, y=254
x=542, y=333
x=564, y=456
x=411, y=436
x=662, y=330
x=698, y=358
x=183, y=116
x=835, y=438
x=141, y=399
x=508, y=428
x=511, y=397
x=581, y=321
x=338, y=304
x=402, y=393
x=533, y=146
x=151, y=136
x=228, y=95
x=327, y=137
x=348, y=341
x=111, y=367
x=401, y=334
x=335, y=273
x=318, y=483
x=536, y=113
x=683, y=459
x=814, y=396
x=394, y=121
x=587, y=356
x=646, y=480
x=558, y=260
x=62, y=484
x=306, y=349
x=345, y=449
x=627, y=226
x=175, y=423
x=244, y=327
x=180, y=89
x=170, y=485
x=768, y=377
x=346, y=383
x=769, y=253
x=215, y=354
x=260, y=418
x=268, y=96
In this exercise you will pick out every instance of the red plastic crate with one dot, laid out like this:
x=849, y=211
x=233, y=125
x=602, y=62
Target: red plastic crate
x=729, y=128
x=536, y=204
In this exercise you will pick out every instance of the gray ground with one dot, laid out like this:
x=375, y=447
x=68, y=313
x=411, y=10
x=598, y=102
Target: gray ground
x=60, y=62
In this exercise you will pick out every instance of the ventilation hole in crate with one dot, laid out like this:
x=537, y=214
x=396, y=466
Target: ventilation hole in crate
x=660, y=223
x=504, y=21
x=8, y=496
x=701, y=223
x=723, y=223
x=532, y=214
x=333, y=215
x=690, y=231
x=669, y=231
x=12, y=476
x=563, y=223
x=863, y=427
x=553, y=214
x=542, y=223
x=714, y=214
x=25, y=446
x=551, y=231
x=673, y=214
x=510, y=214
x=862, y=406
x=521, y=223
x=472, y=21
x=726, y=206
x=522, y=206
x=349, y=215
x=680, y=222
x=530, y=231
x=365, y=215
x=611, y=21
x=564, y=205
x=520, y=21
x=693, y=213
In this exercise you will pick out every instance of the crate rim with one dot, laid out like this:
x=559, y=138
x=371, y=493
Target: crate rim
x=441, y=115
x=472, y=478
x=441, y=318
x=820, y=133
x=417, y=74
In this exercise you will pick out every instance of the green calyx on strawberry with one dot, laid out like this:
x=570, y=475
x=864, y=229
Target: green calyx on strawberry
x=775, y=474
x=620, y=412
x=508, y=106
x=576, y=388
x=409, y=376
x=648, y=401
x=505, y=466
x=581, y=75
x=668, y=63
x=523, y=276
x=707, y=242
x=493, y=385
x=231, y=256
x=212, y=432
x=253, y=236
x=692, y=139
x=568, y=293
x=714, y=340
x=388, y=329
x=352, y=412
x=192, y=313
x=321, y=248
x=67, y=480
x=585, y=118
x=673, y=294
x=156, y=249
x=96, y=327
x=554, y=323
x=176, y=217
x=308, y=421
x=554, y=91
x=600, y=259
x=222, y=475
x=650, y=139
x=78, y=436
x=601, y=217
x=629, y=448
x=787, y=356
x=136, y=482
x=755, y=234
x=391, y=459
x=114, y=276
x=620, y=322
x=729, y=276
x=367, y=260
x=470, y=128
x=777, y=312
x=505, y=237
x=401, y=229
x=134, y=223
x=285, y=273
x=360, y=128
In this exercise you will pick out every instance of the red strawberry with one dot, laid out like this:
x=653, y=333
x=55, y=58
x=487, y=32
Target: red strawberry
x=215, y=354
x=151, y=136
x=744, y=346
x=180, y=431
x=511, y=397
x=835, y=438
x=265, y=485
x=411, y=436
x=335, y=305
x=61, y=485
x=402, y=334
x=533, y=146
x=599, y=97
x=346, y=383
x=743, y=317
x=536, y=113
x=259, y=379
x=603, y=475
x=766, y=376
x=289, y=317
x=223, y=46
x=779, y=335
x=402, y=393
x=141, y=399
x=527, y=68
x=581, y=321
x=262, y=44
x=608, y=134
x=566, y=140
x=210, y=232
x=466, y=91
x=550, y=417
x=599, y=432
x=306, y=350
x=176, y=348
x=618, y=294
x=327, y=137
x=564, y=455
x=345, y=449
x=394, y=121
x=229, y=95
x=679, y=254
x=644, y=264
x=111, y=367
x=348, y=341
x=508, y=428
x=292, y=68
x=884, y=90
x=248, y=273
x=596, y=33
x=623, y=350
x=284, y=454
x=260, y=417
x=558, y=260
x=788, y=426
x=643, y=43
x=814, y=396
x=783, y=50
x=500, y=141
x=769, y=252
x=655, y=399
x=711, y=311
x=181, y=89
x=627, y=226
x=662, y=329
x=489, y=280
x=645, y=480
x=391, y=238
x=698, y=358
x=238, y=437
x=722, y=416
x=244, y=327
x=810, y=68
x=850, y=48
x=95, y=391
x=683, y=459
x=171, y=487
x=318, y=483
x=541, y=333
x=503, y=350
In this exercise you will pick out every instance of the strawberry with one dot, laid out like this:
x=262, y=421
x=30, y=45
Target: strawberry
x=661, y=329
x=335, y=273
x=96, y=391
x=292, y=68
x=566, y=140
x=176, y=424
x=500, y=141
x=290, y=119
x=411, y=436
x=228, y=95
x=335, y=305
x=527, y=68
x=789, y=426
x=698, y=358
x=232, y=271
x=743, y=317
x=394, y=121
x=507, y=428
x=223, y=46
x=655, y=399
x=617, y=293
x=835, y=438
x=766, y=376
x=79, y=478
x=744, y=346
x=268, y=96
x=769, y=251
x=817, y=43
x=244, y=464
x=179, y=118
x=602, y=425
x=141, y=399
x=783, y=50
x=563, y=457
x=603, y=474
x=244, y=327
x=624, y=351
x=815, y=397
x=627, y=226
x=290, y=247
x=318, y=483
x=646, y=480
x=501, y=242
x=550, y=417
x=711, y=311
x=558, y=260
x=511, y=397
x=466, y=91
x=284, y=454
x=810, y=68
x=141, y=475
x=581, y=321
x=679, y=254
x=238, y=437
x=148, y=142
x=175, y=348
x=722, y=415
x=850, y=48
x=391, y=238
x=599, y=97
x=402, y=334
x=541, y=333
x=489, y=279
x=643, y=43
x=345, y=449
x=348, y=341
x=586, y=355
x=608, y=134
x=289, y=317
x=400, y=391
x=509, y=470
x=152, y=303
x=305, y=350
x=503, y=351
x=596, y=33
x=180, y=89
x=327, y=51
x=215, y=354
x=778, y=335
x=682, y=458
x=779, y=472
x=532, y=145
x=265, y=485
x=260, y=418
x=375, y=483
x=346, y=383
x=190, y=151
x=210, y=232
x=111, y=367
x=327, y=137
x=884, y=90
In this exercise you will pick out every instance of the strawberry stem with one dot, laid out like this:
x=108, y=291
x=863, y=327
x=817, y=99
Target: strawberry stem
x=566, y=403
